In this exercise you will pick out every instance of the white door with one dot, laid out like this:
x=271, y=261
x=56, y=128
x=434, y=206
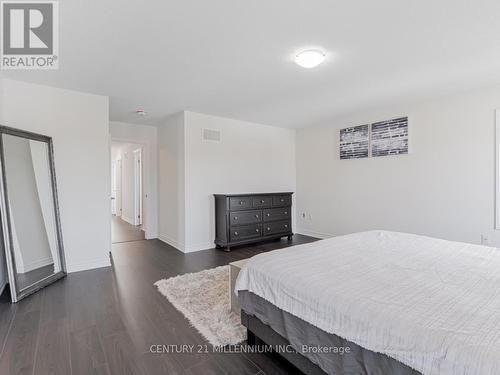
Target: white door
x=138, y=187
x=113, y=188
x=118, y=187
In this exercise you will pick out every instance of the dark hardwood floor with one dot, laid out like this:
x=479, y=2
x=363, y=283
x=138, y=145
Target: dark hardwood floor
x=121, y=231
x=104, y=321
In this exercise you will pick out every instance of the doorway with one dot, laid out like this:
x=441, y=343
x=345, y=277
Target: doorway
x=138, y=186
x=116, y=187
x=127, y=192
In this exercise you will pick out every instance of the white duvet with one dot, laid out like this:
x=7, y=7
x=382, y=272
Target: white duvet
x=432, y=304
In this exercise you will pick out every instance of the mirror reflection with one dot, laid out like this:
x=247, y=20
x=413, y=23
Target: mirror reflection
x=31, y=208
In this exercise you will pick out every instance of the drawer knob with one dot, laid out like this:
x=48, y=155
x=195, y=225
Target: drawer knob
x=268, y=215
x=235, y=233
x=286, y=225
x=236, y=218
x=257, y=230
x=268, y=228
x=256, y=216
x=286, y=213
x=262, y=201
x=282, y=200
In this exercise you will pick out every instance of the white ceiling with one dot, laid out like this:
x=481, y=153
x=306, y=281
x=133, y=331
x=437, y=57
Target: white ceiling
x=233, y=58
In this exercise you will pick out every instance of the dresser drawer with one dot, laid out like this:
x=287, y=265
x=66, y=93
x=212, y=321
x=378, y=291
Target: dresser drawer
x=264, y=201
x=274, y=214
x=277, y=227
x=245, y=217
x=240, y=203
x=282, y=200
x=245, y=232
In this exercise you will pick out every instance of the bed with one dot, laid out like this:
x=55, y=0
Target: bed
x=404, y=304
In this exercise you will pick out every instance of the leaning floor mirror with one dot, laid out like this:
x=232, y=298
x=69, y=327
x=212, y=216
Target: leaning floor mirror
x=31, y=229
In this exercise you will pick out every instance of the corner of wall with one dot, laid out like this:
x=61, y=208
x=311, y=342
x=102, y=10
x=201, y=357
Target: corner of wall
x=172, y=242
x=171, y=180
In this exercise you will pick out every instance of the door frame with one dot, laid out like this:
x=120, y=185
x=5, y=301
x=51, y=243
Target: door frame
x=119, y=182
x=148, y=191
x=138, y=186
x=113, y=187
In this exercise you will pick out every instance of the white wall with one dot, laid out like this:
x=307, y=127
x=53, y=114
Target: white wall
x=147, y=137
x=443, y=188
x=78, y=124
x=171, y=217
x=250, y=158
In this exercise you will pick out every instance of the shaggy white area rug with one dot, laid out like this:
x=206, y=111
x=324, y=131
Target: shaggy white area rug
x=203, y=298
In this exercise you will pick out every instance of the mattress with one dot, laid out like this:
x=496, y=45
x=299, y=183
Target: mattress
x=431, y=304
x=333, y=354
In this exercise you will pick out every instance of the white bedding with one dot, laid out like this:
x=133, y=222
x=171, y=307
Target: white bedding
x=432, y=304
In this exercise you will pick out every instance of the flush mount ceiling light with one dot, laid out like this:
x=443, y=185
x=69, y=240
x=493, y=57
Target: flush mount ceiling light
x=310, y=58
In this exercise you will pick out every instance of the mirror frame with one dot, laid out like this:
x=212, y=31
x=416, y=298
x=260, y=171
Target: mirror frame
x=5, y=216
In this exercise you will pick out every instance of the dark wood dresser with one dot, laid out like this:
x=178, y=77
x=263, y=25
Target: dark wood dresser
x=246, y=218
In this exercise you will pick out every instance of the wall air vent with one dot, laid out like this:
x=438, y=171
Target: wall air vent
x=211, y=135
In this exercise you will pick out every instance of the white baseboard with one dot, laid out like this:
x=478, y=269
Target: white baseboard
x=150, y=236
x=199, y=247
x=37, y=264
x=88, y=265
x=307, y=232
x=170, y=241
x=182, y=247
x=150, y=231
x=128, y=220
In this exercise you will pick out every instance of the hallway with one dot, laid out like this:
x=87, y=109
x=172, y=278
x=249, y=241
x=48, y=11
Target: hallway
x=121, y=231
